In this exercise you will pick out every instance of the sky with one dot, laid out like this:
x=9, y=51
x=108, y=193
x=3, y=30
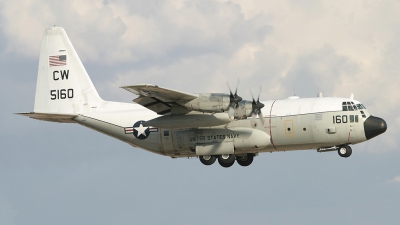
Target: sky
x=52, y=173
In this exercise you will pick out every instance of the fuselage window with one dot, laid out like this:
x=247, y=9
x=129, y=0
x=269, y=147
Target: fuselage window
x=356, y=118
x=166, y=132
x=351, y=118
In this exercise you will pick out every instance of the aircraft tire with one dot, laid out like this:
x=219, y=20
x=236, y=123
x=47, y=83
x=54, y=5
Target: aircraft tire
x=207, y=159
x=226, y=160
x=245, y=160
x=345, y=151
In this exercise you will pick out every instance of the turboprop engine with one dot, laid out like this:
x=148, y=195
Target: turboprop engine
x=209, y=102
x=215, y=102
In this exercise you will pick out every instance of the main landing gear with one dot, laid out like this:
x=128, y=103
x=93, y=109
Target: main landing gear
x=207, y=159
x=227, y=160
x=345, y=151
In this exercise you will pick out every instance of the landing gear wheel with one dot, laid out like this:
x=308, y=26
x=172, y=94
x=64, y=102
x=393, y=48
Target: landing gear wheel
x=245, y=160
x=345, y=151
x=226, y=160
x=207, y=159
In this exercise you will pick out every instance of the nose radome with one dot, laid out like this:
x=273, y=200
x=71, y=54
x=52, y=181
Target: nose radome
x=374, y=126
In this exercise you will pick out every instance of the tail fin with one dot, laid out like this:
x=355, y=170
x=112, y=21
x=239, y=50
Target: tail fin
x=63, y=85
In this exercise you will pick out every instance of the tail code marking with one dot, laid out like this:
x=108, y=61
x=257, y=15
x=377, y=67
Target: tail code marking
x=64, y=74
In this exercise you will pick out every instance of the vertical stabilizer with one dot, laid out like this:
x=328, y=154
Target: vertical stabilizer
x=63, y=85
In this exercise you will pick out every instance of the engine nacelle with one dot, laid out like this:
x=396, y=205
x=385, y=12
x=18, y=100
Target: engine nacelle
x=215, y=102
x=209, y=102
x=243, y=110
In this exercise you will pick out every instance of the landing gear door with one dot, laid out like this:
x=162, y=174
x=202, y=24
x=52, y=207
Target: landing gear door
x=167, y=140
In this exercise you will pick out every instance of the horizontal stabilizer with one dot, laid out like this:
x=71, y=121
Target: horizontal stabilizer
x=51, y=117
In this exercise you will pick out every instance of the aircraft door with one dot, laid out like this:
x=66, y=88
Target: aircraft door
x=167, y=140
x=352, y=128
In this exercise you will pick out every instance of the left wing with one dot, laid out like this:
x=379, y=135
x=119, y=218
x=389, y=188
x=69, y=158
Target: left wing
x=160, y=100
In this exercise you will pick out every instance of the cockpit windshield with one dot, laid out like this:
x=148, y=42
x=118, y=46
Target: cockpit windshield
x=350, y=106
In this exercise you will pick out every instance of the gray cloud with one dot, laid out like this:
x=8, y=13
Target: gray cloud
x=319, y=71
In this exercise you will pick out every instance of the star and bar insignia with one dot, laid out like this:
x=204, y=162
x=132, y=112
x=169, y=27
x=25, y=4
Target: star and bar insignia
x=139, y=131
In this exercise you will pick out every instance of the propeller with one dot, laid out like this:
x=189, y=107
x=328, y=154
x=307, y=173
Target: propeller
x=257, y=106
x=234, y=99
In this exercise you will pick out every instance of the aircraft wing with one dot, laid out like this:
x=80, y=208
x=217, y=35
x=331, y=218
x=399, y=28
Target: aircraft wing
x=160, y=100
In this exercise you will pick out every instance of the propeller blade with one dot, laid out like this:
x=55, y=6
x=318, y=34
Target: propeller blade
x=257, y=106
x=234, y=98
x=231, y=112
x=253, y=119
x=261, y=117
x=237, y=84
x=252, y=96
x=229, y=87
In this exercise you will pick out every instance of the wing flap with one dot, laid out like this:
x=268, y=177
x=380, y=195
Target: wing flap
x=160, y=100
x=154, y=105
x=163, y=94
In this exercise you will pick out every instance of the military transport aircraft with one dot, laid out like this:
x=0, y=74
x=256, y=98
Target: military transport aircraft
x=208, y=126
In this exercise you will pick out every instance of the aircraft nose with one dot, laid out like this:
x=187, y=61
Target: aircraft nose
x=374, y=126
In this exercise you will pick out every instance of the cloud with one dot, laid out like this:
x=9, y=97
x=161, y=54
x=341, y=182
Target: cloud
x=177, y=29
x=395, y=179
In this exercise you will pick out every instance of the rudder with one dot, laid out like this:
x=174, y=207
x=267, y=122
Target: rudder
x=63, y=85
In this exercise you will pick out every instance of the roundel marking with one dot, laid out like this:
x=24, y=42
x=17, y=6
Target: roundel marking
x=139, y=131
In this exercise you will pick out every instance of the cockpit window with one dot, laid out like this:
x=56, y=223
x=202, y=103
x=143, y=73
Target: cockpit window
x=350, y=108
